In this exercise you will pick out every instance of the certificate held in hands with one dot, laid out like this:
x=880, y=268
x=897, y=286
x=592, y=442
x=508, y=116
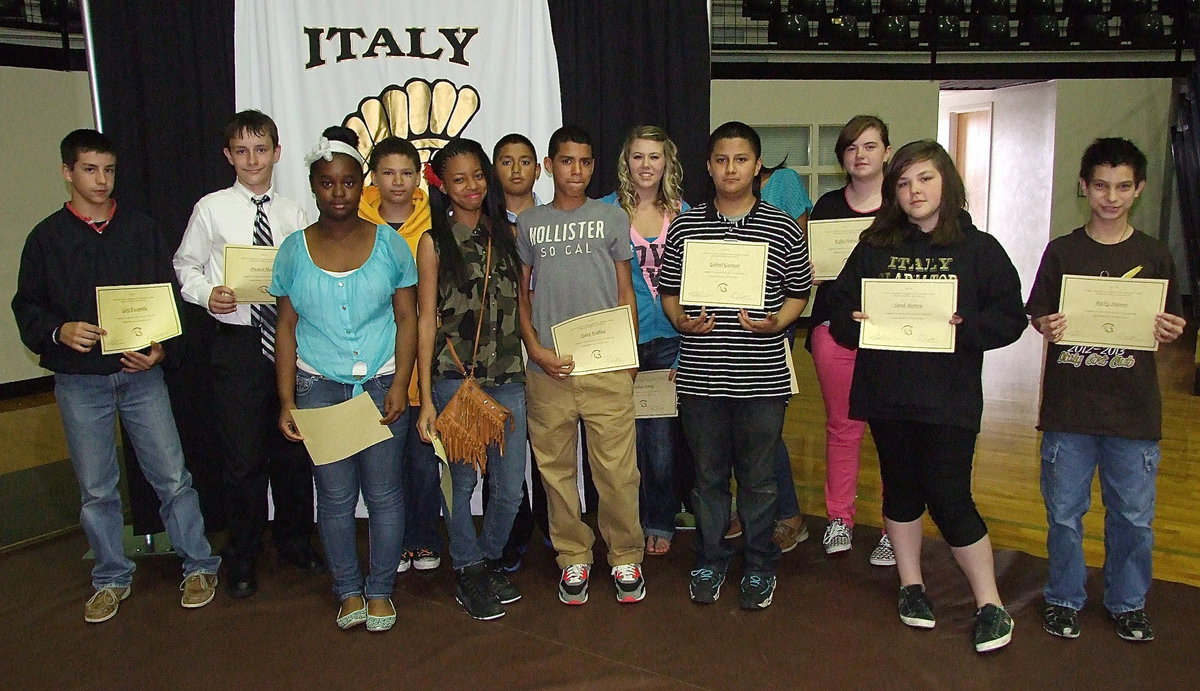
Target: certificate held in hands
x=909, y=314
x=831, y=242
x=720, y=273
x=1111, y=312
x=248, y=272
x=339, y=431
x=600, y=341
x=136, y=316
x=654, y=395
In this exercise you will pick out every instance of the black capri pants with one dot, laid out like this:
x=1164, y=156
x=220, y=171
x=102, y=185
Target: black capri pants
x=929, y=465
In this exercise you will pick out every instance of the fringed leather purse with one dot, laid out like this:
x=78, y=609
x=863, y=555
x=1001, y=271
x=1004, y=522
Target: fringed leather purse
x=472, y=420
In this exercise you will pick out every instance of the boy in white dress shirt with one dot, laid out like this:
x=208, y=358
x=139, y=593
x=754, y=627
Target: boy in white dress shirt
x=242, y=357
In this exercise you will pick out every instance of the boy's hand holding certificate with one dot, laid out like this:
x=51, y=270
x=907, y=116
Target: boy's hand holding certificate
x=1111, y=312
x=600, y=341
x=720, y=273
x=909, y=314
x=136, y=316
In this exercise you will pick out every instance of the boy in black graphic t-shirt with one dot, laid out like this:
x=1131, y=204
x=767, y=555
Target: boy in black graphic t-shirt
x=1101, y=406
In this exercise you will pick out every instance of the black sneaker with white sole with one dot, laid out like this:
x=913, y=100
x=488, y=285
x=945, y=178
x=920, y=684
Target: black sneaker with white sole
x=474, y=592
x=757, y=591
x=993, y=628
x=1060, y=621
x=505, y=591
x=1133, y=626
x=705, y=586
x=915, y=608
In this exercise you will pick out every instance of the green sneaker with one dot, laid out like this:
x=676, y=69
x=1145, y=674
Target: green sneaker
x=993, y=628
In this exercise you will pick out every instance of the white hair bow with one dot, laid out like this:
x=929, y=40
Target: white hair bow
x=326, y=148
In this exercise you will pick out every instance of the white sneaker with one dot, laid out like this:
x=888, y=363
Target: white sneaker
x=837, y=537
x=883, y=555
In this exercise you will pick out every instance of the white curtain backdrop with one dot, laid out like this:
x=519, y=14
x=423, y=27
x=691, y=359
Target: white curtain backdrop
x=425, y=71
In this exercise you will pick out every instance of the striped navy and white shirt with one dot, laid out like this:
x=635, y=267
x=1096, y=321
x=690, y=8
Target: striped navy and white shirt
x=729, y=360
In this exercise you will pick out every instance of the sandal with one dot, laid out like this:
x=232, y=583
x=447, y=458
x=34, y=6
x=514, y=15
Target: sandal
x=657, y=545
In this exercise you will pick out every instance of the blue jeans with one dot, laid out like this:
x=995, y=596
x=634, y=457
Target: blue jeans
x=375, y=471
x=505, y=473
x=421, y=492
x=656, y=449
x=1128, y=468
x=89, y=405
x=788, y=505
x=738, y=434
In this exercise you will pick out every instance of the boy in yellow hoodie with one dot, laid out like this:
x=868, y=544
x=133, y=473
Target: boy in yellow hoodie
x=396, y=199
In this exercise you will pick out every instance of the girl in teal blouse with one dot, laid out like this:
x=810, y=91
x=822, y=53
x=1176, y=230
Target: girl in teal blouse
x=348, y=324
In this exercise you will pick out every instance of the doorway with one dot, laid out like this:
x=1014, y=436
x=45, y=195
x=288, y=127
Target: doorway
x=970, y=147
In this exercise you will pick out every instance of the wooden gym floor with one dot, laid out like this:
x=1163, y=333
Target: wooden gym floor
x=1007, y=460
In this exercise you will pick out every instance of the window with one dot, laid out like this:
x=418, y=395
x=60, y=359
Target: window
x=809, y=150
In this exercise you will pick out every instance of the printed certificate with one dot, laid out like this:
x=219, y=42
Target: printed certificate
x=830, y=244
x=719, y=273
x=598, y=342
x=339, y=431
x=909, y=314
x=1111, y=312
x=654, y=394
x=136, y=316
x=248, y=272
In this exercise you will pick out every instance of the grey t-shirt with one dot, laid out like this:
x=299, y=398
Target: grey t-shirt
x=571, y=254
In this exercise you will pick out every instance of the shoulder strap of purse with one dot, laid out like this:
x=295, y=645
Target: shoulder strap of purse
x=487, y=273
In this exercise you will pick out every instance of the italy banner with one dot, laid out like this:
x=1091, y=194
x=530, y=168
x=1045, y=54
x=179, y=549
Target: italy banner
x=422, y=71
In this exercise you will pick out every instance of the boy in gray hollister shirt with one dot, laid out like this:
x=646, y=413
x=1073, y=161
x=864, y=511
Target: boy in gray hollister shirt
x=575, y=251
x=572, y=254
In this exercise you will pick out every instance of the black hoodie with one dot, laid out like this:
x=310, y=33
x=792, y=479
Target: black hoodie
x=938, y=388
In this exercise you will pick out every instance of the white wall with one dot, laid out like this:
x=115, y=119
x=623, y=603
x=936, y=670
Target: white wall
x=1022, y=172
x=39, y=108
x=908, y=107
x=1136, y=109
x=1022, y=169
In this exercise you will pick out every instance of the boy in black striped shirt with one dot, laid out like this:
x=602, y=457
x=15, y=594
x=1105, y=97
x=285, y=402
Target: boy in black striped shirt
x=733, y=379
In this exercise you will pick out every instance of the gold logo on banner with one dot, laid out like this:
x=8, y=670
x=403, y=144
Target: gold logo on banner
x=426, y=114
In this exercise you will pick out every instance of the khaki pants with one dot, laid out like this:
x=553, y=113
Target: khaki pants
x=605, y=404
